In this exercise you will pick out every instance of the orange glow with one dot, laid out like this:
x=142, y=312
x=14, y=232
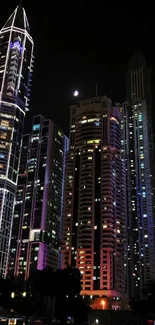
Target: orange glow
x=99, y=303
x=3, y=135
x=103, y=303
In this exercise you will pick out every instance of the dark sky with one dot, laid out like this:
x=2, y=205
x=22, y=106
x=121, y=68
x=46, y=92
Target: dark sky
x=77, y=46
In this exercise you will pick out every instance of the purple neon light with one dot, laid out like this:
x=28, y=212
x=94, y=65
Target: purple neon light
x=16, y=45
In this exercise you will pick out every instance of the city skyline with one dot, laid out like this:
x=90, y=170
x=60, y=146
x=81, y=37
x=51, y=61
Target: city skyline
x=64, y=59
x=109, y=185
x=16, y=47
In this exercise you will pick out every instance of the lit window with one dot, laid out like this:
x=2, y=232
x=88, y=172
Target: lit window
x=3, y=135
x=36, y=127
x=94, y=141
x=60, y=134
x=114, y=119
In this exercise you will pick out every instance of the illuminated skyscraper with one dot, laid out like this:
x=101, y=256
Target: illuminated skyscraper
x=39, y=200
x=94, y=219
x=137, y=144
x=16, y=56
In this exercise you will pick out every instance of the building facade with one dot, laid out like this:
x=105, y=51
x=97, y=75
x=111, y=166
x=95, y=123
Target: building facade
x=94, y=218
x=16, y=57
x=137, y=145
x=38, y=209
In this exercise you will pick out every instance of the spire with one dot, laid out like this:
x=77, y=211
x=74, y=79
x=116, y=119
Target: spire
x=18, y=19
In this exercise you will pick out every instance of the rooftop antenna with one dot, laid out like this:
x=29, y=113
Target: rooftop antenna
x=96, y=90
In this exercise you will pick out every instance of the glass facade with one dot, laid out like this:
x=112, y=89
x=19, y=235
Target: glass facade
x=16, y=56
x=38, y=209
x=137, y=145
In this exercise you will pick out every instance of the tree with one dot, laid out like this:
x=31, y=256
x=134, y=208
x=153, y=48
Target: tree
x=46, y=293
x=146, y=306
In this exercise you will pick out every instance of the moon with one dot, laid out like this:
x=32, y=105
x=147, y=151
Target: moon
x=76, y=93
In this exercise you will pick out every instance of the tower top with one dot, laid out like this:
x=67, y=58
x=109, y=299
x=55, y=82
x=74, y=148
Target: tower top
x=137, y=61
x=18, y=19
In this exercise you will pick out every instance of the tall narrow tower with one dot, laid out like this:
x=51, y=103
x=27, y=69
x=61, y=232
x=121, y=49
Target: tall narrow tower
x=137, y=143
x=94, y=221
x=16, y=56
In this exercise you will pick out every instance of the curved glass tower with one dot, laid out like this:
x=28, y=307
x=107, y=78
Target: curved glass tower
x=16, y=56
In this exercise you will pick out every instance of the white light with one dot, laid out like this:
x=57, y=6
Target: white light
x=12, y=295
x=96, y=321
x=76, y=93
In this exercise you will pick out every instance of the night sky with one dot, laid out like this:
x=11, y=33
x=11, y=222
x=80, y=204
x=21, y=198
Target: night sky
x=77, y=46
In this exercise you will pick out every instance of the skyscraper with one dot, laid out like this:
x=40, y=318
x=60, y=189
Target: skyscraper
x=94, y=219
x=137, y=144
x=16, y=56
x=38, y=210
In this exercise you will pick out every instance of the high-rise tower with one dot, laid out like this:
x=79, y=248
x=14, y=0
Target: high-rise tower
x=137, y=144
x=94, y=220
x=37, y=219
x=16, y=56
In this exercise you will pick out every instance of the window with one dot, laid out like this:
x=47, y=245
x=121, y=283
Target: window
x=36, y=127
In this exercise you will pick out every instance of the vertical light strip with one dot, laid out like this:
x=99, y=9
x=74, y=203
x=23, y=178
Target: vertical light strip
x=142, y=72
x=21, y=66
x=2, y=207
x=8, y=52
x=131, y=79
x=9, y=153
x=10, y=237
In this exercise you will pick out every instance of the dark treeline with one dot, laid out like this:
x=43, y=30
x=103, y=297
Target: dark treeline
x=47, y=293
x=145, y=307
